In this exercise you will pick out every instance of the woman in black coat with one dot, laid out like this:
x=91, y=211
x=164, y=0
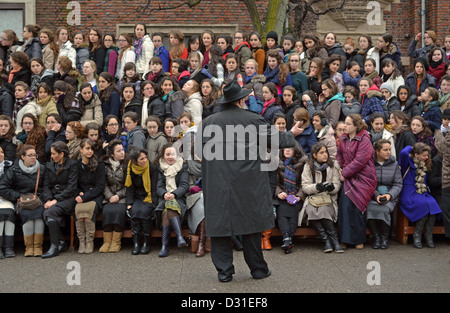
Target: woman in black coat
x=408, y=101
x=389, y=185
x=20, y=68
x=141, y=198
x=115, y=207
x=60, y=190
x=20, y=180
x=91, y=183
x=8, y=140
x=173, y=184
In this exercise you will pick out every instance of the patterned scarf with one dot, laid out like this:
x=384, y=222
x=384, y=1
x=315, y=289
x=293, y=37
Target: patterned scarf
x=290, y=178
x=20, y=103
x=138, y=47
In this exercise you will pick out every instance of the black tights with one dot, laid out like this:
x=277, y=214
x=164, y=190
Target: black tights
x=113, y=227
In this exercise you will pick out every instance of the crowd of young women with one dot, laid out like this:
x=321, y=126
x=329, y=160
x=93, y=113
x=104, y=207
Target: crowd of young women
x=89, y=127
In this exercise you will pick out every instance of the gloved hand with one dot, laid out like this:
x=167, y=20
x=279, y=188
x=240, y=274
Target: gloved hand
x=205, y=72
x=320, y=187
x=330, y=187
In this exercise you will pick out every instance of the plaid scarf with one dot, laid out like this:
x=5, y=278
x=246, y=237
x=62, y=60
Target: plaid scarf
x=290, y=178
x=20, y=103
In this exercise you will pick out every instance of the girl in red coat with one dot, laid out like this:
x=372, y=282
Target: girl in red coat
x=355, y=155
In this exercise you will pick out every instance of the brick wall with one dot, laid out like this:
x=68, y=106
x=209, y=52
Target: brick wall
x=402, y=19
x=106, y=14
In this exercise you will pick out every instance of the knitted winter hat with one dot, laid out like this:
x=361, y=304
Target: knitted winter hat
x=272, y=35
x=388, y=87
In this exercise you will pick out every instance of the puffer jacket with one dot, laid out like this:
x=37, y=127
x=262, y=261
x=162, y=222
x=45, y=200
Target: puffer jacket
x=371, y=103
x=143, y=61
x=115, y=182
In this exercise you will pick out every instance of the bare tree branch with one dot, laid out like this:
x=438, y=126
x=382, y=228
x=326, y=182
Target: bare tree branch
x=148, y=6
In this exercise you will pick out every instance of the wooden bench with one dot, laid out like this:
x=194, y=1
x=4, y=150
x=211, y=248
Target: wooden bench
x=405, y=228
x=156, y=233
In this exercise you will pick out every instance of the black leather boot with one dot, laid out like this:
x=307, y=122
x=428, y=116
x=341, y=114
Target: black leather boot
x=373, y=226
x=417, y=235
x=317, y=224
x=55, y=234
x=332, y=235
x=165, y=237
x=384, y=237
x=146, y=229
x=175, y=222
x=429, y=230
x=9, y=246
x=135, y=233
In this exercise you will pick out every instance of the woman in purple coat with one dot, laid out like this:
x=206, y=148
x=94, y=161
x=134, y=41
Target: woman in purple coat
x=356, y=158
x=415, y=200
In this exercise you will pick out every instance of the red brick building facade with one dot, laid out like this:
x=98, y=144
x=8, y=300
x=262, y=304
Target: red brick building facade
x=402, y=20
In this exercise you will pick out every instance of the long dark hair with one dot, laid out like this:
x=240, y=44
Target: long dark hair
x=105, y=95
x=314, y=150
x=93, y=163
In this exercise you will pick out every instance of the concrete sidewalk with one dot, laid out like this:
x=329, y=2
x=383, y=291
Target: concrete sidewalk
x=401, y=268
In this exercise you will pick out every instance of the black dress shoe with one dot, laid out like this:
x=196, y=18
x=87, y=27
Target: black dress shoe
x=264, y=276
x=223, y=278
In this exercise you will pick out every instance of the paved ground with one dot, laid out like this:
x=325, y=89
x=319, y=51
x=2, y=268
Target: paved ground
x=401, y=269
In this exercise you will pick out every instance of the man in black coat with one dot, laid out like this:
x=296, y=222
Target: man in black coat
x=235, y=180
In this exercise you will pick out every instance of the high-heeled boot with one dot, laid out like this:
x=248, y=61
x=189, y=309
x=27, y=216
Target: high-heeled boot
x=175, y=222
x=55, y=234
x=201, y=239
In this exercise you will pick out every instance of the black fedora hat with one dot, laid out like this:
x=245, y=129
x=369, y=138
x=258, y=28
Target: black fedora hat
x=233, y=92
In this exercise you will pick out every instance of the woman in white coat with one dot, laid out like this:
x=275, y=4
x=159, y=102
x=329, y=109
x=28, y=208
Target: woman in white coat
x=126, y=54
x=143, y=47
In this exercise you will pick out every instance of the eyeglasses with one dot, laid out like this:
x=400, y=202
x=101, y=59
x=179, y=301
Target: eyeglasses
x=113, y=125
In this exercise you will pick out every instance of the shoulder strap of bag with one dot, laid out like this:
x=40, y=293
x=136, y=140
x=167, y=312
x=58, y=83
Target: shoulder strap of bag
x=37, y=180
x=404, y=175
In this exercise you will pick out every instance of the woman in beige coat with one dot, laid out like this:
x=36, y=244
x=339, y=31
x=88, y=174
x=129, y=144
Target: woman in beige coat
x=321, y=177
x=91, y=105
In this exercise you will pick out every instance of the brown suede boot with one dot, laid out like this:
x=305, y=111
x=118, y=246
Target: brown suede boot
x=38, y=240
x=90, y=233
x=81, y=234
x=29, y=247
x=116, y=244
x=107, y=237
